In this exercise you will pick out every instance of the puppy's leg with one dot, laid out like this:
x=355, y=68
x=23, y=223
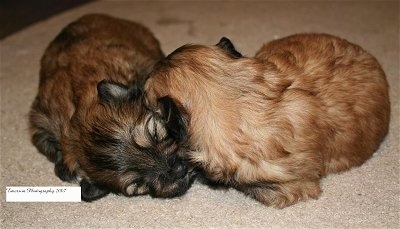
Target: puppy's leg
x=281, y=195
x=47, y=143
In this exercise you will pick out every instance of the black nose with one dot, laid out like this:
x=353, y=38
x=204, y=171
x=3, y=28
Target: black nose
x=178, y=171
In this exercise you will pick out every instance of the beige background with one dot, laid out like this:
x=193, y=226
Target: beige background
x=365, y=197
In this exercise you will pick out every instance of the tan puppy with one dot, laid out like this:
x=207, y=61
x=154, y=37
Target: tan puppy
x=89, y=117
x=272, y=126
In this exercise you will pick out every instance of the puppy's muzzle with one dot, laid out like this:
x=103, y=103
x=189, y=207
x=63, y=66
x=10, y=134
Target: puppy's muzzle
x=174, y=182
x=177, y=171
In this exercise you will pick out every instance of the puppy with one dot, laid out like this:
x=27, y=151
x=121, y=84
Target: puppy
x=89, y=118
x=272, y=126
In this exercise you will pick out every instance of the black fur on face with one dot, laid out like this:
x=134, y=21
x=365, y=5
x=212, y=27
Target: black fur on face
x=130, y=149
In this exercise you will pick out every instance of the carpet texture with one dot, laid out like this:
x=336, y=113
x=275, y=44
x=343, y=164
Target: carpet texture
x=364, y=197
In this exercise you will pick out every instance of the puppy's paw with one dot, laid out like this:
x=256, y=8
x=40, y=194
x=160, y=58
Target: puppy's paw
x=91, y=191
x=135, y=189
x=62, y=171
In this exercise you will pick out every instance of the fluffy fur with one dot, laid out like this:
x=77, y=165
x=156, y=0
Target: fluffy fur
x=272, y=126
x=89, y=117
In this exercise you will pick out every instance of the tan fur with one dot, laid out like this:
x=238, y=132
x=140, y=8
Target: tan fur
x=273, y=125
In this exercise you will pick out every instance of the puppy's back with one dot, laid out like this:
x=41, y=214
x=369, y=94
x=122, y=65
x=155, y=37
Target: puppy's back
x=349, y=85
x=98, y=38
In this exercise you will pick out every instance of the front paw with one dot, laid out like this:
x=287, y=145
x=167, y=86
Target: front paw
x=91, y=191
x=62, y=171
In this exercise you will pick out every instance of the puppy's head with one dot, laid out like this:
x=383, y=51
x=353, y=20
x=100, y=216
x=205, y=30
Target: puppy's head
x=188, y=66
x=123, y=147
x=188, y=72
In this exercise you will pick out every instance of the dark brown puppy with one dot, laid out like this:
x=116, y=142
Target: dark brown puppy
x=89, y=118
x=272, y=126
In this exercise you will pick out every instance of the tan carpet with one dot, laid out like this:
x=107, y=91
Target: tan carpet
x=365, y=197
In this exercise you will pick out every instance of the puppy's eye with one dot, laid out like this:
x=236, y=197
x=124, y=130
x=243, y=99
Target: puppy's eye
x=154, y=132
x=156, y=129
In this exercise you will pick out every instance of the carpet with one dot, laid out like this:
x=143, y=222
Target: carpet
x=364, y=197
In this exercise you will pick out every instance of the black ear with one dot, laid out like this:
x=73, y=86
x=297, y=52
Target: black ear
x=174, y=119
x=227, y=45
x=112, y=91
x=91, y=192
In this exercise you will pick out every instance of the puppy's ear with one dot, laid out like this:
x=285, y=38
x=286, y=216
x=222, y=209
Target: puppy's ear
x=91, y=192
x=174, y=119
x=111, y=92
x=227, y=45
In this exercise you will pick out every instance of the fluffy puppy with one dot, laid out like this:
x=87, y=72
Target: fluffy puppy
x=89, y=118
x=272, y=126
